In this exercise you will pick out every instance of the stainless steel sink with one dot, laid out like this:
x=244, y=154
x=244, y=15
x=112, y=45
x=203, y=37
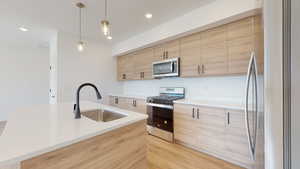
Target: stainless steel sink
x=102, y=115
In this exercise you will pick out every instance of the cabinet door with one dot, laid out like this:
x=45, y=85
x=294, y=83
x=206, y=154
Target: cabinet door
x=245, y=36
x=121, y=72
x=143, y=64
x=214, y=58
x=126, y=67
x=236, y=138
x=159, y=52
x=172, y=49
x=124, y=103
x=185, y=124
x=259, y=42
x=137, y=105
x=190, y=56
x=211, y=130
x=140, y=106
x=113, y=101
x=120, y=102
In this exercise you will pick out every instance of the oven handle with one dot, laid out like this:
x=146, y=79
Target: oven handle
x=161, y=106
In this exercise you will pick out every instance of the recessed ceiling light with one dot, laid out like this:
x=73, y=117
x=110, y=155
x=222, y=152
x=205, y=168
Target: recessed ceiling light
x=148, y=15
x=109, y=37
x=23, y=29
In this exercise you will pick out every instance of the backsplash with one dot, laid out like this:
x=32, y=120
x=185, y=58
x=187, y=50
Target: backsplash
x=228, y=88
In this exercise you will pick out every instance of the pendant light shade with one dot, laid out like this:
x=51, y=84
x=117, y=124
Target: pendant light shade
x=105, y=27
x=105, y=23
x=80, y=44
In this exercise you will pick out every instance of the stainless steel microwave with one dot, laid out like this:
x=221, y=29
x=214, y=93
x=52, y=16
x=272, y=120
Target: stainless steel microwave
x=166, y=68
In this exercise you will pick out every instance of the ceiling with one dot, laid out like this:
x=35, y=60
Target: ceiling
x=43, y=17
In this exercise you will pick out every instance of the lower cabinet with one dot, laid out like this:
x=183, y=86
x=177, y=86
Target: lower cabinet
x=215, y=131
x=136, y=105
x=120, y=102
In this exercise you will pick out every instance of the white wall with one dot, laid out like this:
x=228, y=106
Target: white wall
x=94, y=65
x=226, y=88
x=273, y=84
x=201, y=18
x=24, y=73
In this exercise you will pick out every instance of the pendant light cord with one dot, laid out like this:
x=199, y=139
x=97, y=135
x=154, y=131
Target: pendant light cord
x=80, y=29
x=105, y=9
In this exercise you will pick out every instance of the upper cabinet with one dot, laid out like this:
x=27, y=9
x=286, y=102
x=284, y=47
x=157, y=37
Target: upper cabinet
x=172, y=49
x=167, y=50
x=143, y=64
x=244, y=37
x=223, y=50
x=190, y=56
x=125, y=67
x=213, y=47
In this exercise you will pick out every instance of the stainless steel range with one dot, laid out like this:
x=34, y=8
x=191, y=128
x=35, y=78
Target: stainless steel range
x=160, y=111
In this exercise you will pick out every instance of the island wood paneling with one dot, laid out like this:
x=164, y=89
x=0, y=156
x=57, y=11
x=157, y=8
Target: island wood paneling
x=123, y=148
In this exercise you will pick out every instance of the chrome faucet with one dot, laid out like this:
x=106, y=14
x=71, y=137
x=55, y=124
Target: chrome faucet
x=77, y=106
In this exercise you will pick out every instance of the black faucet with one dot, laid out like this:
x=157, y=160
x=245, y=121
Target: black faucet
x=77, y=106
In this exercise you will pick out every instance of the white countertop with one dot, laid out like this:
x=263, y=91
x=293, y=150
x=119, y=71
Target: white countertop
x=212, y=103
x=34, y=131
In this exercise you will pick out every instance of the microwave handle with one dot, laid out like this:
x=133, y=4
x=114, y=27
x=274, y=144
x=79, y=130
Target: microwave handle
x=172, y=67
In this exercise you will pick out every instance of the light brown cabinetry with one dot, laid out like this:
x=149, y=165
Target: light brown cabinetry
x=218, y=132
x=167, y=50
x=236, y=139
x=200, y=127
x=213, y=47
x=185, y=124
x=244, y=37
x=143, y=64
x=190, y=56
x=137, y=105
x=222, y=50
x=172, y=49
x=126, y=67
x=133, y=104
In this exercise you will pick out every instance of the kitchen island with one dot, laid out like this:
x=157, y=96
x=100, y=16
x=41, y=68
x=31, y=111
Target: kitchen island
x=48, y=136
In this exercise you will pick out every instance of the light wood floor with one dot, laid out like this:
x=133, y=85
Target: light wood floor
x=164, y=155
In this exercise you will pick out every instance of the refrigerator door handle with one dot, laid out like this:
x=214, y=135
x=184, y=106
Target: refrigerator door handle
x=252, y=141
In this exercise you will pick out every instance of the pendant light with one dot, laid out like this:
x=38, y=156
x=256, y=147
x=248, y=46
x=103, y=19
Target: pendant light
x=105, y=22
x=80, y=44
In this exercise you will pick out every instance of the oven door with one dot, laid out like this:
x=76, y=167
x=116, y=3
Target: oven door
x=160, y=116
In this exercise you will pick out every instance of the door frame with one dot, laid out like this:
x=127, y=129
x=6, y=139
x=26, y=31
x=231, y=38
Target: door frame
x=287, y=84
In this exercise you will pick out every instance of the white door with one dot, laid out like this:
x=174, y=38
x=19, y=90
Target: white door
x=53, y=71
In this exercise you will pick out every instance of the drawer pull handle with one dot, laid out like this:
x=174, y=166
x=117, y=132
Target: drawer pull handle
x=193, y=115
x=228, y=118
